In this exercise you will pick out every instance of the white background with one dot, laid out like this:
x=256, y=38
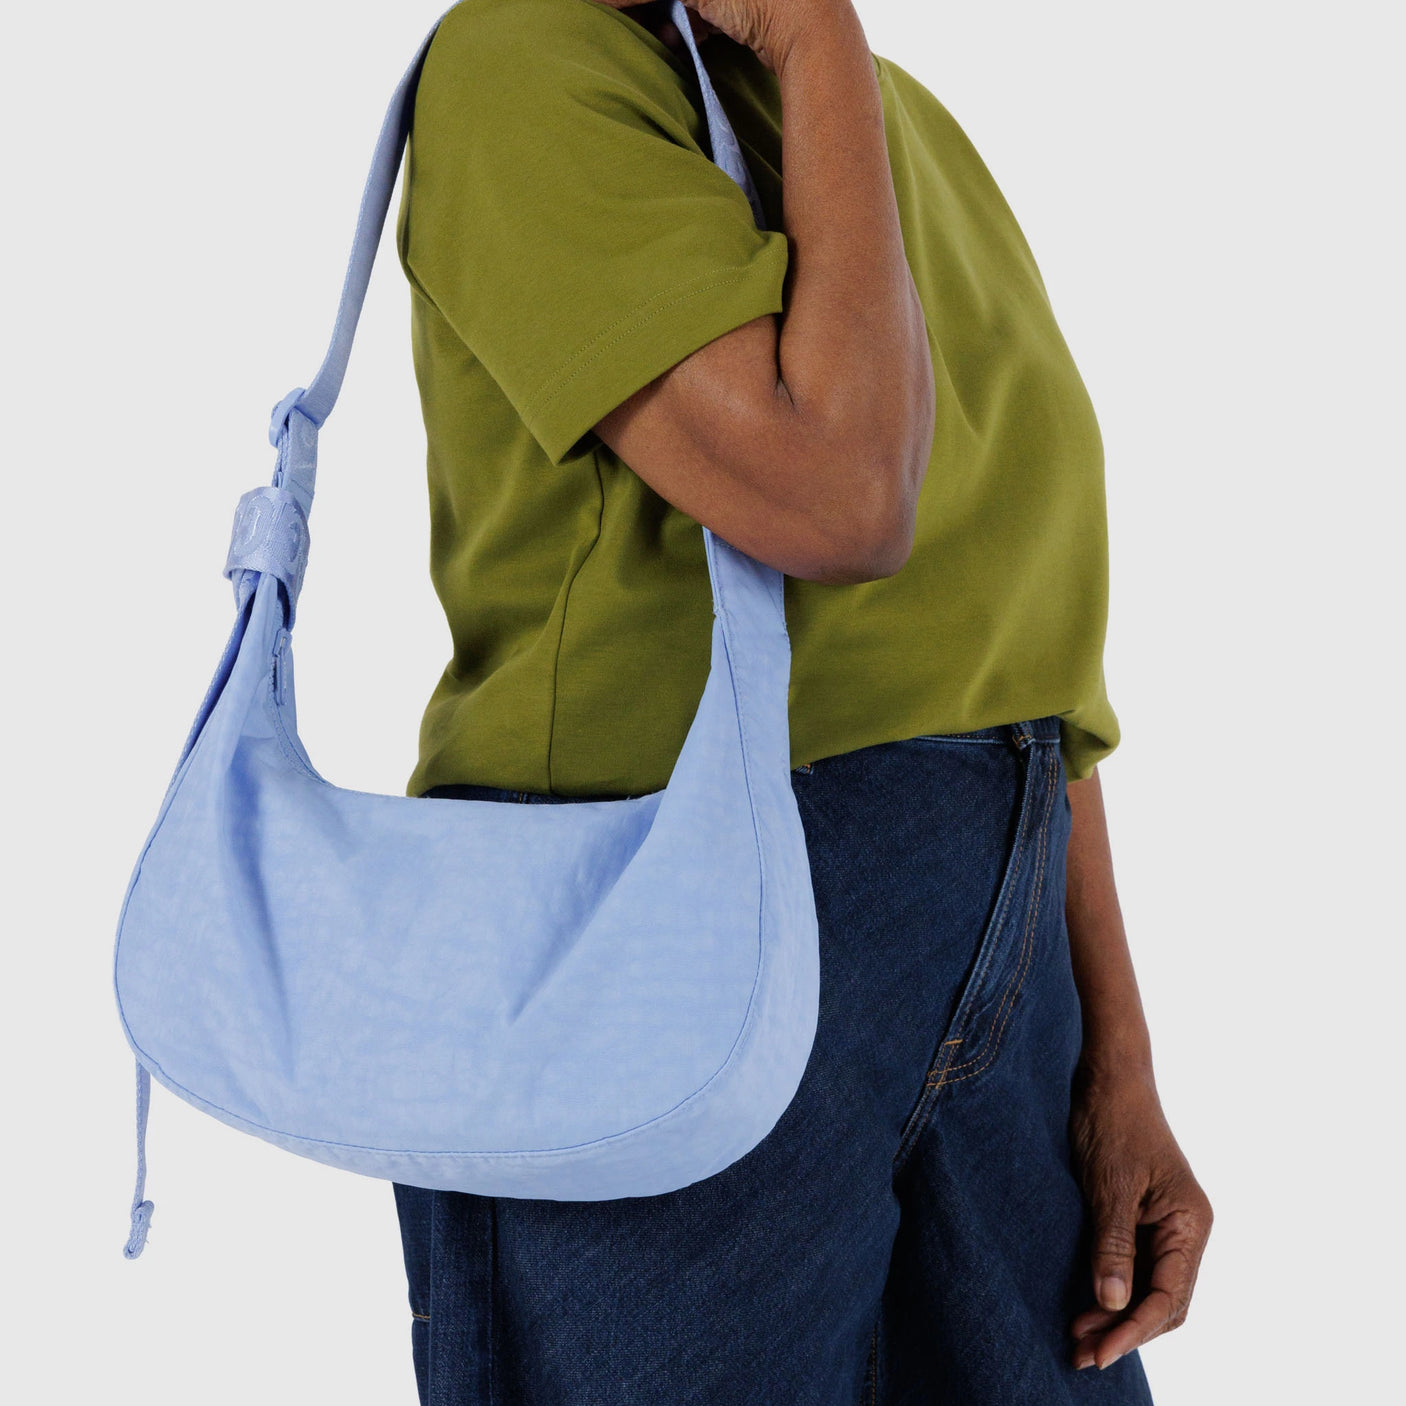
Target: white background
x=1209, y=190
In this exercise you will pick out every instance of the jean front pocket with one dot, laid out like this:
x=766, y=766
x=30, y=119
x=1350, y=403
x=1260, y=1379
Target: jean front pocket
x=1005, y=953
x=982, y=737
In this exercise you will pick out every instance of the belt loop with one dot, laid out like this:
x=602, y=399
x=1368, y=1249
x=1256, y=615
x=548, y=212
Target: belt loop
x=1022, y=734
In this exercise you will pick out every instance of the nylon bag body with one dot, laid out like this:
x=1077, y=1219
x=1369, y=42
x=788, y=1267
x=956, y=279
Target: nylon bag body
x=610, y=998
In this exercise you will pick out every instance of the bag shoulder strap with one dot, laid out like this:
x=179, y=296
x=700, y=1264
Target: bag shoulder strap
x=270, y=532
x=317, y=401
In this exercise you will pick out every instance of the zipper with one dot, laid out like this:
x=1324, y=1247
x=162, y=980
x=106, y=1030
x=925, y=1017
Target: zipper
x=280, y=665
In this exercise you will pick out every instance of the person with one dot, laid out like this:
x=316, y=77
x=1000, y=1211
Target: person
x=974, y=1196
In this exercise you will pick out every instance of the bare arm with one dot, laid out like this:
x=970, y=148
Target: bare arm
x=1151, y=1218
x=1115, y=1030
x=804, y=440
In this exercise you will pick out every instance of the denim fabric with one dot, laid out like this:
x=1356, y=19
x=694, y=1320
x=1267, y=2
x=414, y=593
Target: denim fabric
x=910, y=1232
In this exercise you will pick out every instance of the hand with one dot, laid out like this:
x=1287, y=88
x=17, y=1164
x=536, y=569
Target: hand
x=1151, y=1219
x=768, y=27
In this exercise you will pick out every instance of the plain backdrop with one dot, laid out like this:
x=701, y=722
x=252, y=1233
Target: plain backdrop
x=1212, y=191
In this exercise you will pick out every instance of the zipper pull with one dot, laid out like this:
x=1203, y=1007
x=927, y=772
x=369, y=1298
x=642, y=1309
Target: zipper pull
x=280, y=665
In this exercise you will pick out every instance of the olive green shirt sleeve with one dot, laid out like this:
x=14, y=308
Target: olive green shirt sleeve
x=567, y=220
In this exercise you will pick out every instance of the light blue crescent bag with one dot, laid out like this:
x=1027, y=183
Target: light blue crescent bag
x=574, y=1002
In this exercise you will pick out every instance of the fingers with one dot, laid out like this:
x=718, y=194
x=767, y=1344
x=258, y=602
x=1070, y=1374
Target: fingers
x=1088, y=1331
x=1116, y=1211
x=1177, y=1243
x=1157, y=1312
x=1094, y=1320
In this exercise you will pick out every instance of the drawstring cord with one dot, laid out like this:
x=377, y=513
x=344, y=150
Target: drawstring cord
x=141, y=1208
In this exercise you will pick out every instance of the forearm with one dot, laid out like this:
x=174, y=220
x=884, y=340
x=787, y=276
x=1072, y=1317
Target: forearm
x=853, y=358
x=803, y=439
x=1115, y=1030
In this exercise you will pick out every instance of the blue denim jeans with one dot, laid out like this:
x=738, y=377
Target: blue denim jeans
x=910, y=1232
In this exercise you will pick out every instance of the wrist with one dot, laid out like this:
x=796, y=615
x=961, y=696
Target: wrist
x=1117, y=1056
x=817, y=30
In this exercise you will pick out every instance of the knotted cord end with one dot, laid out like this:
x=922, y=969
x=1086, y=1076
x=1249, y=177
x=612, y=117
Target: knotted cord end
x=141, y=1207
x=141, y=1223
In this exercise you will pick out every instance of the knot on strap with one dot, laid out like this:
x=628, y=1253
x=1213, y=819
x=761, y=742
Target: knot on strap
x=141, y=1223
x=270, y=535
x=278, y=422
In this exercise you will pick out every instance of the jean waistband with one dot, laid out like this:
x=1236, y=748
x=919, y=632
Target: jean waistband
x=1044, y=729
x=1020, y=734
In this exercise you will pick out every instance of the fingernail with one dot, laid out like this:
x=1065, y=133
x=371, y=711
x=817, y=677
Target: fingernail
x=1113, y=1292
x=1110, y=1361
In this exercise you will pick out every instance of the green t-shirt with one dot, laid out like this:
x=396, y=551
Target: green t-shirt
x=567, y=240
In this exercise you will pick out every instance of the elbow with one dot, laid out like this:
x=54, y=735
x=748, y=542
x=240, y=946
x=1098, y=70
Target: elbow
x=843, y=492
x=884, y=554
x=870, y=558
x=865, y=540
x=862, y=496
